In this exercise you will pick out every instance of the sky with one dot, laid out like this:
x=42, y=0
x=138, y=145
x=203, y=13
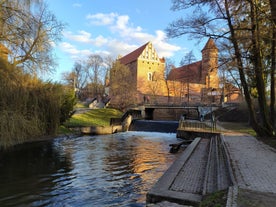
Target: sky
x=116, y=27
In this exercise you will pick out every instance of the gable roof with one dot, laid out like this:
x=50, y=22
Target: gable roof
x=192, y=73
x=133, y=55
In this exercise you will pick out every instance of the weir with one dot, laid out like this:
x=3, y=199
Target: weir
x=154, y=126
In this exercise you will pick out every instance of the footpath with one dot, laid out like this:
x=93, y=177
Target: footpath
x=253, y=166
x=254, y=171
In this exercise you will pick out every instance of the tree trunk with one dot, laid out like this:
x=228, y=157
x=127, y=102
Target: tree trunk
x=259, y=129
x=273, y=63
x=259, y=72
x=272, y=75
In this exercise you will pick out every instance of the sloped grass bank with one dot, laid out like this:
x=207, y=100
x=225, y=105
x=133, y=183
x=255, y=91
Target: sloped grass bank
x=241, y=127
x=93, y=117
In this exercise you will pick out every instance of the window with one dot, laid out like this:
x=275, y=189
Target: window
x=150, y=76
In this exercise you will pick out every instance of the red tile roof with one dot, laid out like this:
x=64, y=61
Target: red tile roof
x=133, y=56
x=191, y=73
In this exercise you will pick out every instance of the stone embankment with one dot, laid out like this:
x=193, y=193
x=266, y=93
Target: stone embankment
x=239, y=163
x=200, y=170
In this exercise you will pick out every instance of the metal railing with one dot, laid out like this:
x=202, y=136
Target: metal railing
x=204, y=126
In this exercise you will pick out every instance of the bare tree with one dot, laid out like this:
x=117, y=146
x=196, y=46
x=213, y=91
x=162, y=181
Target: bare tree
x=77, y=78
x=122, y=87
x=245, y=26
x=30, y=33
x=168, y=67
x=95, y=70
x=108, y=65
x=188, y=58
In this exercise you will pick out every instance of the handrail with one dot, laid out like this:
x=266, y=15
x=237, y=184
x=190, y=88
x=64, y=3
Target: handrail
x=208, y=125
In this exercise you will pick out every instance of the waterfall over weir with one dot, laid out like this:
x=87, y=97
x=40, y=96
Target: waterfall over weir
x=154, y=126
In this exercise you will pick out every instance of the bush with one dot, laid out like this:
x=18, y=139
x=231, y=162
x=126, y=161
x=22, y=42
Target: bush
x=29, y=107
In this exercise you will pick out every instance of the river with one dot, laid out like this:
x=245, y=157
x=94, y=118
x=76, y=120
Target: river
x=108, y=170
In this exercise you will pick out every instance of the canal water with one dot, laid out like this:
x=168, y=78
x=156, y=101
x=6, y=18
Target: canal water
x=109, y=170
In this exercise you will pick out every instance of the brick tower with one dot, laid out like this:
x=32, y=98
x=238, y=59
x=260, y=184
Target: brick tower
x=210, y=64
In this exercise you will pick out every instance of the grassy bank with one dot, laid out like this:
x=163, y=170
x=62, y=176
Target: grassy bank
x=241, y=127
x=94, y=117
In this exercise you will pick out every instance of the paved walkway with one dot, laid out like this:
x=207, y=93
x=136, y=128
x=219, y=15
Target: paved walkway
x=254, y=170
x=254, y=163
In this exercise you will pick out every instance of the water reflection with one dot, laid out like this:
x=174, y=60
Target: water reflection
x=112, y=170
x=28, y=171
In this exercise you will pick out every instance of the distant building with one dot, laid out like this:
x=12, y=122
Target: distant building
x=197, y=82
x=147, y=71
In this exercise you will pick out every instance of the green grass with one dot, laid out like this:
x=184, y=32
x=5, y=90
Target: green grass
x=216, y=199
x=94, y=117
x=64, y=130
x=245, y=128
x=238, y=127
x=80, y=105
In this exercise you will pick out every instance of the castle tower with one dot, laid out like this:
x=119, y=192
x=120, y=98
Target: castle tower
x=210, y=64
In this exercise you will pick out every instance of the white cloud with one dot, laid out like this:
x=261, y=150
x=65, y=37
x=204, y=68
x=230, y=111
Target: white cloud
x=122, y=22
x=166, y=49
x=100, y=41
x=67, y=47
x=102, y=19
x=78, y=5
x=82, y=36
x=122, y=38
x=117, y=47
x=73, y=51
x=86, y=37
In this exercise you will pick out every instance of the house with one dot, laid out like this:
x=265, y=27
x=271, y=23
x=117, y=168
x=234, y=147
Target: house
x=197, y=82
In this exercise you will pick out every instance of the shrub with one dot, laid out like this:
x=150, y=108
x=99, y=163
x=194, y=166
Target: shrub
x=29, y=107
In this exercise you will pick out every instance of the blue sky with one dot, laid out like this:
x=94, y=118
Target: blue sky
x=115, y=28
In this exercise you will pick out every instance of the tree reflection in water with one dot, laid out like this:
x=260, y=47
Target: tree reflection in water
x=110, y=170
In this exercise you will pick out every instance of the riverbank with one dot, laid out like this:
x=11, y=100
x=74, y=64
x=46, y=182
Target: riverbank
x=97, y=119
x=241, y=129
x=253, y=166
x=92, y=117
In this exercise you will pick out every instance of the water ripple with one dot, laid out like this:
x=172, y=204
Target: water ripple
x=111, y=170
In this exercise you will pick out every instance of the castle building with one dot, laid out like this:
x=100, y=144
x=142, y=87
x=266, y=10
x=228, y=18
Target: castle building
x=147, y=70
x=197, y=82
